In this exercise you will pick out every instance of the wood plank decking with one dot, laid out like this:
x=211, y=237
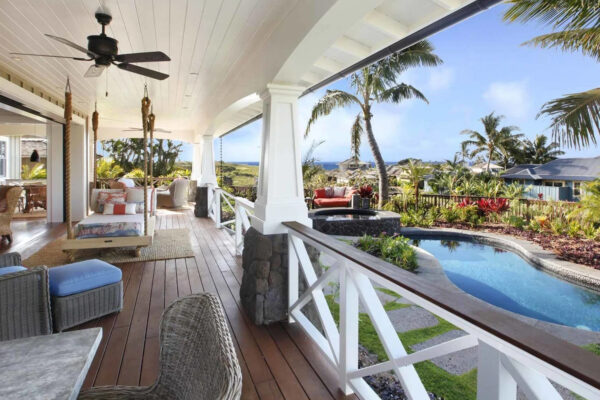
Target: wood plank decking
x=278, y=361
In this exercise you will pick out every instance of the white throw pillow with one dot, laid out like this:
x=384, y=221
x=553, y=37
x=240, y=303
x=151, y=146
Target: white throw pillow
x=119, y=209
x=339, y=191
x=135, y=195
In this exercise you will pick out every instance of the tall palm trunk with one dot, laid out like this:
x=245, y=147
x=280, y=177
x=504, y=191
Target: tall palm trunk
x=489, y=160
x=379, y=163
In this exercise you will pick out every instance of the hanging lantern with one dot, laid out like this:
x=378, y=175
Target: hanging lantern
x=35, y=157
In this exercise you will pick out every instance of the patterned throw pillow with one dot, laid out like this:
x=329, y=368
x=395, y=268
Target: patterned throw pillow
x=119, y=208
x=110, y=198
x=329, y=191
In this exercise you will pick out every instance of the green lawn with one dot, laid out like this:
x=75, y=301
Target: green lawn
x=435, y=379
x=242, y=174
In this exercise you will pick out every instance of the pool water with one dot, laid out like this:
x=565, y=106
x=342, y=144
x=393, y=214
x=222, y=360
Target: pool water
x=505, y=280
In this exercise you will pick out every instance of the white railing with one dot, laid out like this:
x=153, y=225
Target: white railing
x=242, y=209
x=511, y=353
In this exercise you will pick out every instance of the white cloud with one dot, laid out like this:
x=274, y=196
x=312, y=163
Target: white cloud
x=511, y=99
x=440, y=78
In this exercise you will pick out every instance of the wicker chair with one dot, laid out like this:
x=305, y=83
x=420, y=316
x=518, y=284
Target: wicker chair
x=11, y=195
x=197, y=357
x=24, y=301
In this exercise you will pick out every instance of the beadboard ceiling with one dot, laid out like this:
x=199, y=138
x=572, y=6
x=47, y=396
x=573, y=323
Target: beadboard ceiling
x=213, y=45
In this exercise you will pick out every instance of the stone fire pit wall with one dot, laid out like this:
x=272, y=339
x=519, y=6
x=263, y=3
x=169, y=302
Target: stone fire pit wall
x=264, y=289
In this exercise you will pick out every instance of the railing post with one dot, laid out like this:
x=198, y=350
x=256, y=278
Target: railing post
x=217, y=207
x=348, y=360
x=292, y=276
x=493, y=380
x=239, y=227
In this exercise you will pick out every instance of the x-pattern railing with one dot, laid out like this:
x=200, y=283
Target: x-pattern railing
x=503, y=364
x=242, y=208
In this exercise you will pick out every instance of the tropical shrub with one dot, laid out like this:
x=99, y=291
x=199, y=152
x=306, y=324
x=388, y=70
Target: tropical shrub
x=450, y=214
x=394, y=249
x=497, y=206
x=419, y=218
x=590, y=204
x=516, y=221
x=37, y=172
x=135, y=173
x=107, y=168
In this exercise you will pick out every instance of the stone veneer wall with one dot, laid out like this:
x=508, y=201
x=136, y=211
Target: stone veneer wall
x=264, y=289
x=201, y=207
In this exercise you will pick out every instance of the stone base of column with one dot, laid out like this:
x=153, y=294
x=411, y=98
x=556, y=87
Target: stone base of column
x=264, y=289
x=201, y=208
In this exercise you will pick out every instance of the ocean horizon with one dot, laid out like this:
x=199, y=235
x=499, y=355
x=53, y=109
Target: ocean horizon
x=327, y=165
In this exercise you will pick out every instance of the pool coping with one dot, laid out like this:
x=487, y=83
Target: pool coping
x=575, y=273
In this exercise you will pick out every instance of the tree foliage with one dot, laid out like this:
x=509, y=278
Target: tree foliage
x=376, y=83
x=129, y=154
x=576, y=24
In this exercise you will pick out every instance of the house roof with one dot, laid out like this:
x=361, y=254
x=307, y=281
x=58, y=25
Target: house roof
x=571, y=169
x=354, y=161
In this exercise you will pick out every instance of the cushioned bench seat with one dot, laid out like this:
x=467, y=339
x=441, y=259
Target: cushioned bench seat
x=83, y=291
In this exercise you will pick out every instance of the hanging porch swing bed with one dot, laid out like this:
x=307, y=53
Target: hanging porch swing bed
x=122, y=218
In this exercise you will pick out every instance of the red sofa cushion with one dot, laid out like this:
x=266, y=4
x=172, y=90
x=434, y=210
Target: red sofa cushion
x=332, y=202
x=320, y=194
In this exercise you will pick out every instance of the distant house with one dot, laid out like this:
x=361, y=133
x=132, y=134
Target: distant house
x=352, y=164
x=482, y=167
x=566, y=175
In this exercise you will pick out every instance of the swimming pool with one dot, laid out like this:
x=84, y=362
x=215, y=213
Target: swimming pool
x=504, y=279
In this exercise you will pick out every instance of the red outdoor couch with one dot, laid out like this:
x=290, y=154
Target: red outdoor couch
x=333, y=197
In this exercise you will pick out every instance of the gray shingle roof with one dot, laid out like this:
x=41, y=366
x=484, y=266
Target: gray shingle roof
x=571, y=169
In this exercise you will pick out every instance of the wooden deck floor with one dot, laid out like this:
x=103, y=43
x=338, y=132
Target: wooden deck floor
x=278, y=361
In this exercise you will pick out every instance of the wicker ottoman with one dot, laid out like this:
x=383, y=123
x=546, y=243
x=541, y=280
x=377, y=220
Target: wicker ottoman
x=84, y=291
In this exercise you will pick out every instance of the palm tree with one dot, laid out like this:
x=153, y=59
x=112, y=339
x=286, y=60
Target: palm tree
x=376, y=83
x=575, y=117
x=539, y=152
x=416, y=172
x=493, y=141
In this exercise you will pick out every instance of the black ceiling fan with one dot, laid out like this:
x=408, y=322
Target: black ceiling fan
x=103, y=51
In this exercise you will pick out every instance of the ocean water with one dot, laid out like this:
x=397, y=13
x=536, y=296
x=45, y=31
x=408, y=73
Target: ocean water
x=327, y=165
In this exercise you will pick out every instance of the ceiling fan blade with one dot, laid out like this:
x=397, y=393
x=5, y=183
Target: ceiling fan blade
x=150, y=56
x=73, y=45
x=143, y=71
x=51, y=55
x=94, y=71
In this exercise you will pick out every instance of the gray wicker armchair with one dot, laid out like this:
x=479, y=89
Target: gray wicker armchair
x=197, y=357
x=24, y=301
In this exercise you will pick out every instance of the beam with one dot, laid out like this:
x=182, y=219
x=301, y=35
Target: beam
x=448, y=4
x=385, y=24
x=327, y=64
x=352, y=47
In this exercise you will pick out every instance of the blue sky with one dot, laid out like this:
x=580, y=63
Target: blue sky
x=485, y=69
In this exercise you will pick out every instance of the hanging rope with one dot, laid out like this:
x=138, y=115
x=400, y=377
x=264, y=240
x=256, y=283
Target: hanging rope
x=68, y=117
x=145, y=110
x=151, y=119
x=95, y=129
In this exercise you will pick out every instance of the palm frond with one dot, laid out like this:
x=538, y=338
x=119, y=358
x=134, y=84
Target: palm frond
x=356, y=136
x=585, y=40
x=401, y=92
x=575, y=118
x=567, y=14
x=330, y=101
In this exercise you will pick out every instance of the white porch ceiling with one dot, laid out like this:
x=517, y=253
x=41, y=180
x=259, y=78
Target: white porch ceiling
x=222, y=51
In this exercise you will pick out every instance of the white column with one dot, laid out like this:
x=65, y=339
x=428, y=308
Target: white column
x=196, y=161
x=54, y=165
x=207, y=162
x=14, y=157
x=280, y=189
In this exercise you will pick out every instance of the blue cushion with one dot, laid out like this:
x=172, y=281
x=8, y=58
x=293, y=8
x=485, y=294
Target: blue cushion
x=10, y=270
x=82, y=276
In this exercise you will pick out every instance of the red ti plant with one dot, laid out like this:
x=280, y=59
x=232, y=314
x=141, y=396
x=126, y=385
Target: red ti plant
x=465, y=202
x=541, y=196
x=497, y=206
x=365, y=191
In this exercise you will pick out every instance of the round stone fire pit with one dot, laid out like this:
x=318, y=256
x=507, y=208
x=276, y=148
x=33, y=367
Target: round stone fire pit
x=354, y=222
